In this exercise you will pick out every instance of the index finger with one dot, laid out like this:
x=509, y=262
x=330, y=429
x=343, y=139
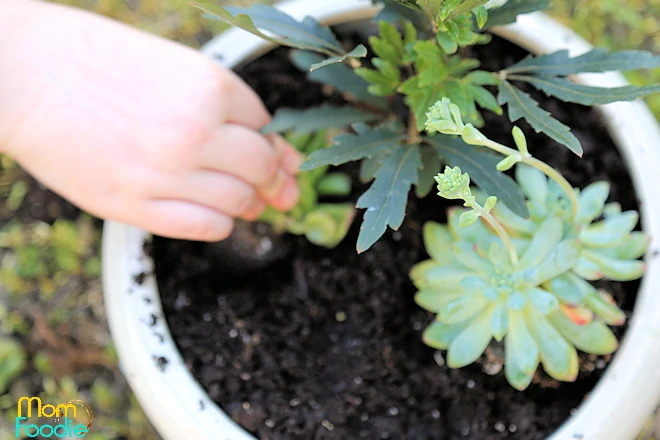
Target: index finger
x=244, y=107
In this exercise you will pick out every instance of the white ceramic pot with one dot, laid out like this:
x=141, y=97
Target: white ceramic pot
x=180, y=409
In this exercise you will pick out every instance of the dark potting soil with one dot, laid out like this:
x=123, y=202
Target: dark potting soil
x=326, y=344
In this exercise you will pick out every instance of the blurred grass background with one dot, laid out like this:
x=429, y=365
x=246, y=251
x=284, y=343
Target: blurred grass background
x=54, y=340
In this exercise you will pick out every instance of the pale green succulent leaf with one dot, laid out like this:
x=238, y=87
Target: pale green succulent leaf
x=316, y=118
x=534, y=184
x=499, y=322
x=543, y=301
x=419, y=272
x=498, y=254
x=566, y=289
x=543, y=242
x=385, y=201
x=440, y=336
x=470, y=343
x=594, y=337
x=466, y=254
x=447, y=278
x=611, y=209
x=334, y=184
x=558, y=357
x=475, y=233
x=524, y=350
x=609, y=232
x=602, y=304
x=591, y=201
x=562, y=258
x=437, y=240
x=634, y=246
x=614, y=269
x=462, y=308
x=588, y=270
x=435, y=300
x=512, y=358
x=516, y=301
x=521, y=105
x=512, y=221
x=468, y=218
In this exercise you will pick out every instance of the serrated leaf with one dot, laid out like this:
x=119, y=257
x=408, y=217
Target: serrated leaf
x=316, y=118
x=465, y=7
x=508, y=12
x=385, y=201
x=585, y=95
x=521, y=105
x=396, y=12
x=358, y=52
x=370, y=165
x=431, y=165
x=596, y=60
x=480, y=165
x=282, y=28
x=367, y=142
x=339, y=76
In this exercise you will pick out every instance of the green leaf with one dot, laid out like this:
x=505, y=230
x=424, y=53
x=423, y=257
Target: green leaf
x=339, y=76
x=558, y=357
x=384, y=81
x=431, y=165
x=370, y=166
x=562, y=258
x=508, y=12
x=470, y=343
x=437, y=240
x=602, y=304
x=480, y=164
x=585, y=95
x=334, y=184
x=521, y=105
x=524, y=351
x=544, y=302
x=440, y=336
x=592, y=201
x=435, y=300
x=543, y=242
x=465, y=7
x=358, y=52
x=12, y=362
x=614, y=269
x=396, y=12
x=282, y=28
x=462, y=308
x=596, y=60
x=566, y=289
x=316, y=118
x=385, y=201
x=513, y=357
x=367, y=142
x=594, y=337
x=499, y=323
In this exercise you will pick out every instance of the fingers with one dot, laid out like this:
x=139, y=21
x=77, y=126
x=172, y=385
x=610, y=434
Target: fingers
x=184, y=221
x=243, y=104
x=219, y=191
x=290, y=158
x=247, y=155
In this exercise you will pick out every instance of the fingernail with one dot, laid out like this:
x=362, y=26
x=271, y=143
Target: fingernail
x=276, y=185
x=255, y=209
x=290, y=194
x=292, y=162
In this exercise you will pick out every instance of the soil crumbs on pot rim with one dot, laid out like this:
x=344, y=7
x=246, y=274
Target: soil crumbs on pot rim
x=327, y=344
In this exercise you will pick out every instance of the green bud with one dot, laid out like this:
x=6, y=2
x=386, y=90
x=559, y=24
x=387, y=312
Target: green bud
x=453, y=184
x=468, y=218
x=520, y=140
x=508, y=162
x=490, y=203
x=472, y=135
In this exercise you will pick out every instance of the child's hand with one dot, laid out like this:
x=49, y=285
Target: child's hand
x=134, y=128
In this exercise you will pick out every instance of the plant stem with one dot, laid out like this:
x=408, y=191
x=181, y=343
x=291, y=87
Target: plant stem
x=539, y=165
x=413, y=134
x=499, y=230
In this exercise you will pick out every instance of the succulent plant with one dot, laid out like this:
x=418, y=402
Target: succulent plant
x=539, y=303
x=324, y=224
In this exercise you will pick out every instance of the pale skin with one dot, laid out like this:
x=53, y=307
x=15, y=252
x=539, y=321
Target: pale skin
x=134, y=128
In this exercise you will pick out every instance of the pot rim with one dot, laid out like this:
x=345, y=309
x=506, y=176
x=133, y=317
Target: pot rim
x=179, y=407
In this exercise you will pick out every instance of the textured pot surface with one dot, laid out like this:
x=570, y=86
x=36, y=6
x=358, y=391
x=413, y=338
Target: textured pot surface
x=178, y=406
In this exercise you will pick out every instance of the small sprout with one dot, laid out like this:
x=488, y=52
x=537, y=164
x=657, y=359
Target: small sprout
x=453, y=184
x=508, y=162
x=520, y=140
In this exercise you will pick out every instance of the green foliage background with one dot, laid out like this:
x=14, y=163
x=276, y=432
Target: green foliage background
x=50, y=292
